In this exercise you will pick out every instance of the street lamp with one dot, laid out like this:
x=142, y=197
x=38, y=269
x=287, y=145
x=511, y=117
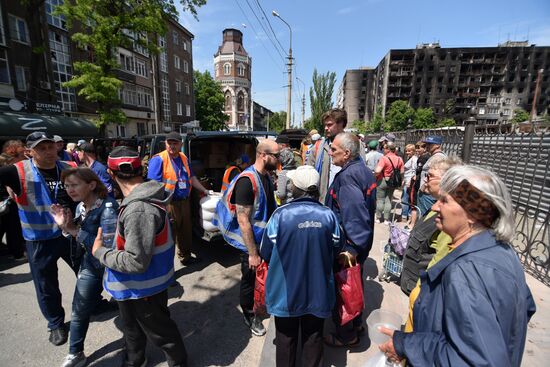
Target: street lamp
x=303, y=101
x=289, y=65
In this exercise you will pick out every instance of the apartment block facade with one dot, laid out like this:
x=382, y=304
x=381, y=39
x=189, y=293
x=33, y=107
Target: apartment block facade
x=151, y=101
x=493, y=80
x=356, y=94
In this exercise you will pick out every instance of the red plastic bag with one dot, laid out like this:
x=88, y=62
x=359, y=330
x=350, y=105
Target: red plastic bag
x=259, y=289
x=349, y=293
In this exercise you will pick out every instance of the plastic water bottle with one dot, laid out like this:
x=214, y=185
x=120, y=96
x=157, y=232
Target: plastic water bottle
x=108, y=222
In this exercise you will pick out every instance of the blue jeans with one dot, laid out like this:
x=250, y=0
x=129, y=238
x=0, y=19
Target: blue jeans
x=405, y=202
x=87, y=294
x=43, y=256
x=425, y=202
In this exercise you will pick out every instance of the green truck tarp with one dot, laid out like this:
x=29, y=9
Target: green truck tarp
x=15, y=125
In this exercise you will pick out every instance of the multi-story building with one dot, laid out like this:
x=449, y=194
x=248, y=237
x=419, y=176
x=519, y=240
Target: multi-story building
x=261, y=117
x=232, y=68
x=151, y=100
x=493, y=80
x=355, y=94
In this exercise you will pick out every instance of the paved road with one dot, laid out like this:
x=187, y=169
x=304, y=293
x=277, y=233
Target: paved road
x=205, y=309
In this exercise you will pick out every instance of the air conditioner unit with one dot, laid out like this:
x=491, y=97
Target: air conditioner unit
x=45, y=85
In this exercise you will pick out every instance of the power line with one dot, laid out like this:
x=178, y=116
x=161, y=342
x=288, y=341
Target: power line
x=257, y=36
x=269, y=24
x=265, y=30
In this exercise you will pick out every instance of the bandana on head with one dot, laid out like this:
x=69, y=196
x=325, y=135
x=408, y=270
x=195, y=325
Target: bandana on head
x=475, y=203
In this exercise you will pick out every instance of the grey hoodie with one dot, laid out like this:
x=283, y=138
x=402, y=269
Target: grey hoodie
x=139, y=223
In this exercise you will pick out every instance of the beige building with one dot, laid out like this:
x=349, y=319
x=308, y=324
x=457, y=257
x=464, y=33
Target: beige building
x=232, y=68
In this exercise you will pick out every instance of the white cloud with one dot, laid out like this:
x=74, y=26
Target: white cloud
x=346, y=10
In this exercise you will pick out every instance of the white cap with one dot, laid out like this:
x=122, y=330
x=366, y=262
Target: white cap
x=315, y=137
x=304, y=177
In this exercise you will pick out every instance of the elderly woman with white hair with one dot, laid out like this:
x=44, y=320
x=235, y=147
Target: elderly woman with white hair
x=475, y=304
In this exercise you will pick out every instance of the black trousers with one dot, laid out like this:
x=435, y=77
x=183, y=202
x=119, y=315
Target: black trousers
x=150, y=318
x=248, y=279
x=286, y=340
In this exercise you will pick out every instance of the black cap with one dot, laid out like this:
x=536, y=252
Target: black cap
x=86, y=148
x=33, y=139
x=173, y=136
x=282, y=139
x=123, y=159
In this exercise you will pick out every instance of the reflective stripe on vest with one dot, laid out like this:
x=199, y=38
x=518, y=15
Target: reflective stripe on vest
x=34, y=203
x=226, y=175
x=169, y=175
x=226, y=217
x=157, y=277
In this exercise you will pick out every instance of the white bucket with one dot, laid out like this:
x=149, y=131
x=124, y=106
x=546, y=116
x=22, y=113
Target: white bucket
x=387, y=319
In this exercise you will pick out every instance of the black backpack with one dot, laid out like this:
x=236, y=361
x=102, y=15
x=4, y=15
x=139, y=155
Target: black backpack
x=394, y=181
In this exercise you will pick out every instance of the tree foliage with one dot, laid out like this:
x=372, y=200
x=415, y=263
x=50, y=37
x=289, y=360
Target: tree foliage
x=107, y=25
x=360, y=126
x=209, y=102
x=446, y=122
x=520, y=115
x=320, y=97
x=398, y=115
x=277, y=121
x=424, y=118
x=375, y=125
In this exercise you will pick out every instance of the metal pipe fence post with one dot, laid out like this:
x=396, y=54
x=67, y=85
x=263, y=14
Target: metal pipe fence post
x=469, y=132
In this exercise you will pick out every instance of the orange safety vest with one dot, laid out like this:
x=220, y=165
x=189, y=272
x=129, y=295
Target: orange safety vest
x=226, y=175
x=169, y=176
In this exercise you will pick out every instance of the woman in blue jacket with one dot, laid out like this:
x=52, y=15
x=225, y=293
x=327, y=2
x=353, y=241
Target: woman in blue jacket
x=83, y=186
x=474, y=304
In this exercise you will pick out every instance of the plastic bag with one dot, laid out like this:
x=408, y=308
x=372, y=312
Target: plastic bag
x=350, y=293
x=259, y=289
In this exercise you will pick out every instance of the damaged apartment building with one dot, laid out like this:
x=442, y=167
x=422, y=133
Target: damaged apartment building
x=494, y=81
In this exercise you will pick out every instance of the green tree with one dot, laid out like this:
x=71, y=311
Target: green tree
x=398, y=115
x=320, y=97
x=360, y=126
x=107, y=25
x=375, y=125
x=277, y=121
x=424, y=118
x=209, y=102
x=446, y=122
x=520, y=115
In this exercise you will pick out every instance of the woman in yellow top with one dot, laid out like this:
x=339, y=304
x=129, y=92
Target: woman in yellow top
x=440, y=241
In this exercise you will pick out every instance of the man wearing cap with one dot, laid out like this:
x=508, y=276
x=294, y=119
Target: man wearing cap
x=140, y=266
x=87, y=155
x=433, y=147
x=37, y=185
x=373, y=156
x=300, y=243
x=242, y=214
x=352, y=197
x=171, y=168
x=284, y=149
x=233, y=170
x=60, y=145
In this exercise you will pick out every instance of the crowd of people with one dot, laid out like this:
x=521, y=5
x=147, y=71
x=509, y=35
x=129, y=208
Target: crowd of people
x=305, y=218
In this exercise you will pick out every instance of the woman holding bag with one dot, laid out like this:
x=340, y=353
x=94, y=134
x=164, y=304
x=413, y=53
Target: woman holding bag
x=83, y=185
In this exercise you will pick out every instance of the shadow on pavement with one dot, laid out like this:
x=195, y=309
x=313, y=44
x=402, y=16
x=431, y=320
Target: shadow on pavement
x=210, y=252
x=9, y=278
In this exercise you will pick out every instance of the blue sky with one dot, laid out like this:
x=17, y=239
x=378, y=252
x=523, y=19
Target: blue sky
x=345, y=34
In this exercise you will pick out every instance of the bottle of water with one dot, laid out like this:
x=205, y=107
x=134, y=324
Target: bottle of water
x=109, y=220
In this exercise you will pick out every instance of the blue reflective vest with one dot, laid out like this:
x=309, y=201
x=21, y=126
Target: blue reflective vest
x=34, y=202
x=158, y=276
x=226, y=216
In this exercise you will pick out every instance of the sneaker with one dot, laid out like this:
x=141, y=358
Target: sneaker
x=257, y=327
x=58, y=336
x=74, y=360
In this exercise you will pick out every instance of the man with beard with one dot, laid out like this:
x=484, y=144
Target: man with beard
x=242, y=215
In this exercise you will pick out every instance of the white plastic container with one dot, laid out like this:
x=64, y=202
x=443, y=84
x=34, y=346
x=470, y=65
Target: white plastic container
x=209, y=227
x=387, y=319
x=206, y=215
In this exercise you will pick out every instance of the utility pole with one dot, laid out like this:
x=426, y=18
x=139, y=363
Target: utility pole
x=535, y=97
x=303, y=102
x=289, y=65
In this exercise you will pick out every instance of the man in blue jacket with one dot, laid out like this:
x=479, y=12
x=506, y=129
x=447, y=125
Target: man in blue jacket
x=300, y=244
x=352, y=197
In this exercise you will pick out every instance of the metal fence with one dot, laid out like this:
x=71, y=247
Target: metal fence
x=522, y=160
